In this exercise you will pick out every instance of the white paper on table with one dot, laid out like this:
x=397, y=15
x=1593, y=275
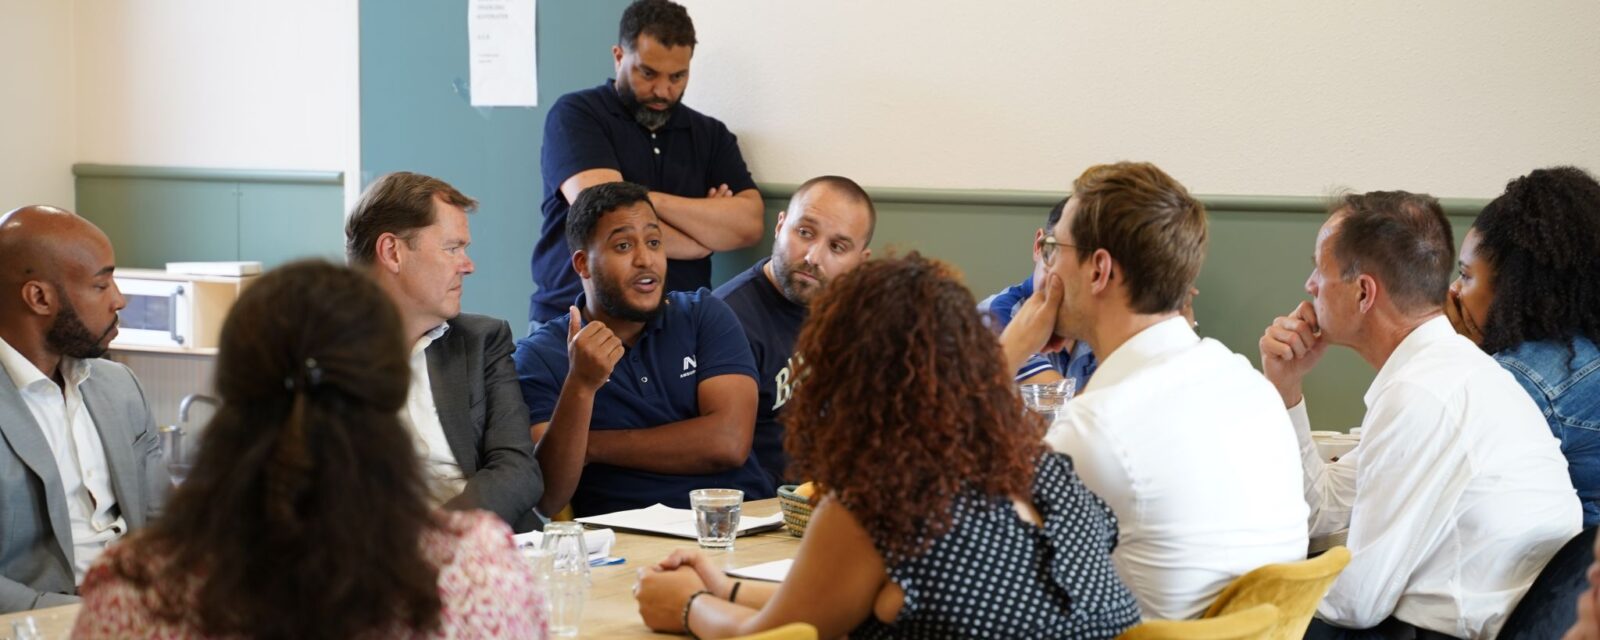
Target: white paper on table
x=665, y=520
x=597, y=541
x=502, y=53
x=774, y=571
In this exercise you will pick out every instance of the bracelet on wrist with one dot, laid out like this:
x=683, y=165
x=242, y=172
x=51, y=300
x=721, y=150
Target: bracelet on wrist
x=733, y=594
x=686, y=606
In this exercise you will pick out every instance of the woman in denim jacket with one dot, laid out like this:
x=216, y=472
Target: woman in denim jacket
x=1529, y=294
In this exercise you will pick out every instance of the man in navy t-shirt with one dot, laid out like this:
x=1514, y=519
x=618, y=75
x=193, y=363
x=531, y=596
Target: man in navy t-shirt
x=636, y=396
x=822, y=234
x=635, y=128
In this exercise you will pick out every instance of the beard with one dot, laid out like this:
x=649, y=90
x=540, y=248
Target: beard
x=651, y=119
x=614, y=302
x=68, y=335
x=793, y=287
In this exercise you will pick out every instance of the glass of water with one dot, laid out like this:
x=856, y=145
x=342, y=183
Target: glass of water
x=567, y=583
x=716, y=516
x=542, y=562
x=175, y=454
x=1049, y=398
x=25, y=629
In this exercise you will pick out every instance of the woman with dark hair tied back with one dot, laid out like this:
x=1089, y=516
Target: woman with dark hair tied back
x=305, y=515
x=941, y=513
x=1528, y=292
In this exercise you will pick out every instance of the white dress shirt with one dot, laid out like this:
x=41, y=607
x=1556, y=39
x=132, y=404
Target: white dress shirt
x=79, y=455
x=1192, y=450
x=1455, y=499
x=421, y=416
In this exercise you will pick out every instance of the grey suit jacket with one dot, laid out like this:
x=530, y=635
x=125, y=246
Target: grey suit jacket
x=36, y=552
x=479, y=400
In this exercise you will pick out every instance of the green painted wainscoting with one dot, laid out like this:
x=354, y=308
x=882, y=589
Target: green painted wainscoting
x=156, y=215
x=1255, y=270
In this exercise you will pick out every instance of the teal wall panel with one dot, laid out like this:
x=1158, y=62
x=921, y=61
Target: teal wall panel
x=416, y=115
x=156, y=215
x=154, y=221
x=282, y=222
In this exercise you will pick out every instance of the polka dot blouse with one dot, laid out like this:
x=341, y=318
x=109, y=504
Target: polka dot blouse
x=994, y=575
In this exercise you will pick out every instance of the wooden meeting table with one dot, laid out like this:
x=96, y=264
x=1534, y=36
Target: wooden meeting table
x=609, y=612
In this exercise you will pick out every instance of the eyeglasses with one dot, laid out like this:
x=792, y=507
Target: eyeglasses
x=1047, y=246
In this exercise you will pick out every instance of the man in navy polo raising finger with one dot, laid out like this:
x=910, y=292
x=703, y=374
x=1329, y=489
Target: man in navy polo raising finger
x=637, y=396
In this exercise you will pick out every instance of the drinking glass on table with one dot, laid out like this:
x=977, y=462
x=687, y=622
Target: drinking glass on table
x=25, y=629
x=1049, y=398
x=716, y=516
x=567, y=583
x=543, y=563
x=175, y=454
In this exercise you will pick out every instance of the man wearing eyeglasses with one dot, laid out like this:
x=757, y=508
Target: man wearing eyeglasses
x=1064, y=357
x=1177, y=434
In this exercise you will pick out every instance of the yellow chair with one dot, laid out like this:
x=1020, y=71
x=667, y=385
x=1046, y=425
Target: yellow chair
x=1255, y=623
x=791, y=631
x=1294, y=587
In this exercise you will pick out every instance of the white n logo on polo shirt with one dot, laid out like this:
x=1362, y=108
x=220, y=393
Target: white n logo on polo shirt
x=689, y=367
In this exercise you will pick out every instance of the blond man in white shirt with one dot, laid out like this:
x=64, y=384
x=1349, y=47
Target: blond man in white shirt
x=465, y=410
x=79, y=455
x=1458, y=494
x=1181, y=437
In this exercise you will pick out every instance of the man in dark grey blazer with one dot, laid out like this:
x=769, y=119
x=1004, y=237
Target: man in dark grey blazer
x=465, y=409
x=79, y=455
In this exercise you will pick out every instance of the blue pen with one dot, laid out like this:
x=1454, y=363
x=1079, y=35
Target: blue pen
x=606, y=562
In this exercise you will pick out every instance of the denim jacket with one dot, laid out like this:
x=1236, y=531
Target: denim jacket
x=1569, y=395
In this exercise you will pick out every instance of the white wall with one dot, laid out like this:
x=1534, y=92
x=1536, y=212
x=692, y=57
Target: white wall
x=1230, y=96
x=37, y=122
x=218, y=83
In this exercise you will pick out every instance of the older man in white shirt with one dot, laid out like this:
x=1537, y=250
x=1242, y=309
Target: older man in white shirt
x=1181, y=437
x=1458, y=494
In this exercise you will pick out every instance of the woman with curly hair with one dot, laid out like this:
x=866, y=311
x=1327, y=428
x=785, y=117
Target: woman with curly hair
x=306, y=515
x=1528, y=293
x=943, y=514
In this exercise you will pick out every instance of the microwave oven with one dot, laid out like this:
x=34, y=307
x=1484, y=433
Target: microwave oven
x=173, y=311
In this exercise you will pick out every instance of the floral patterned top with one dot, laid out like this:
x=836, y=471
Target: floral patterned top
x=486, y=588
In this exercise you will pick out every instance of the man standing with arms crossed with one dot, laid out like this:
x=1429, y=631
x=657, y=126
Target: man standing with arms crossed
x=635, y=128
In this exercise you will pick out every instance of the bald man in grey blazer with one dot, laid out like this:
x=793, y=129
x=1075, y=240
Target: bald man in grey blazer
x=79, y=455
x=465, y=409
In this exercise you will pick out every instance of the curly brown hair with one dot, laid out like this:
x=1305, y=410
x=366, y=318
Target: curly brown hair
x=905, y=403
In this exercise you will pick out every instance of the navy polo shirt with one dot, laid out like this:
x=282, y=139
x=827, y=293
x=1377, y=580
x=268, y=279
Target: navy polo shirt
x=591, y=129
x=657, y=382
x=771, y=324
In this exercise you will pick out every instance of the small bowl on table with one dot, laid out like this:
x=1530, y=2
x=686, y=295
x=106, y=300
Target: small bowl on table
x=796, y=509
